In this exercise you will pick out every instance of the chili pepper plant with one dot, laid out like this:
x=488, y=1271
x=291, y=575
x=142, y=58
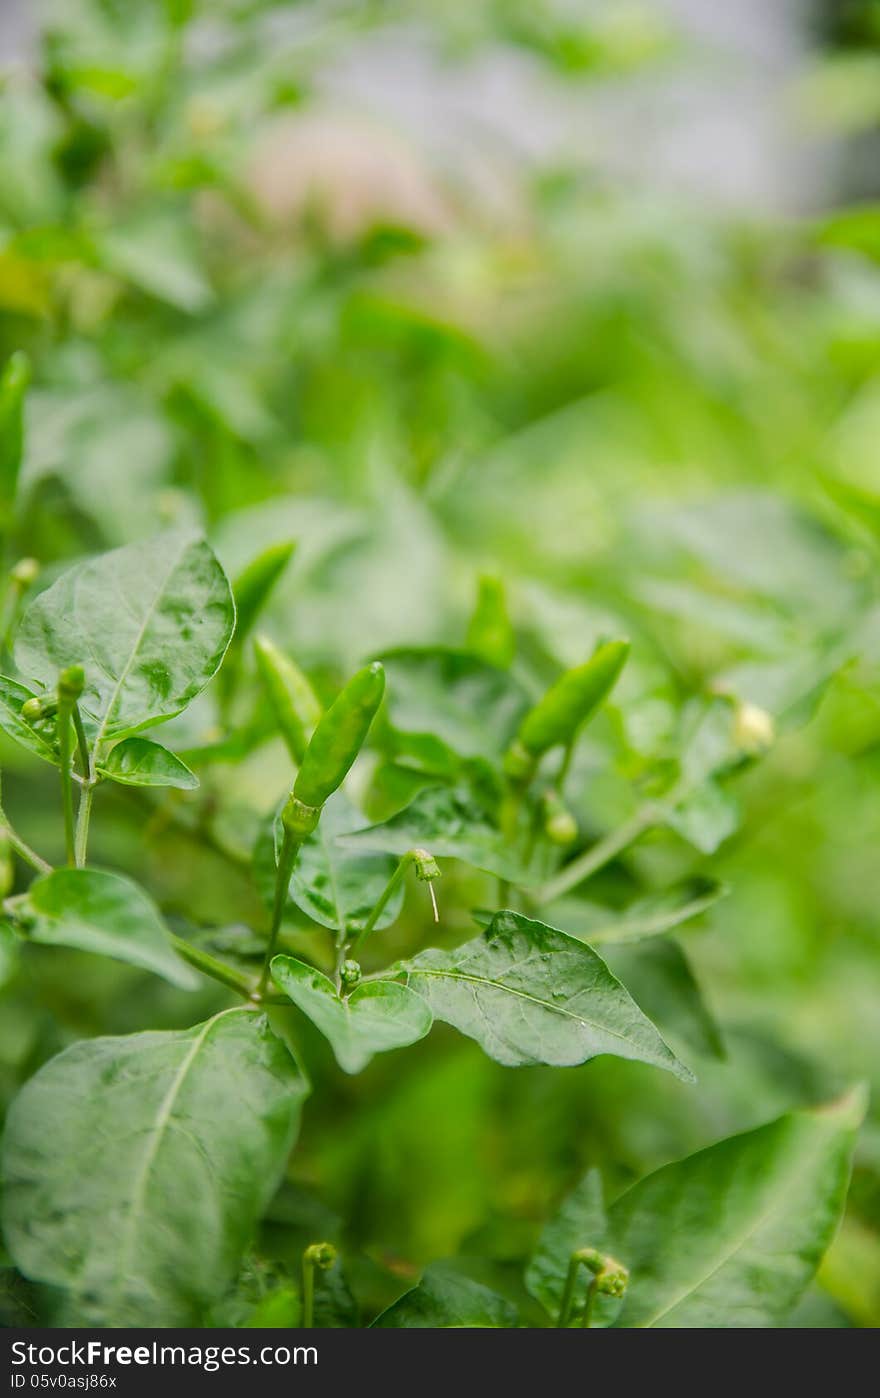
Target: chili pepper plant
x=438, y=682
x=137, y=1167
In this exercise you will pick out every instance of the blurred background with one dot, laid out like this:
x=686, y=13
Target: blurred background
x=582, y=295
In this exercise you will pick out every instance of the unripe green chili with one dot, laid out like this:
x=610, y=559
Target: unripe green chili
x=294, y=704
x=339, y=737
x=555, y=719
x=490, y=634
x=14, y=382
x=332, y=749
x=253, y=585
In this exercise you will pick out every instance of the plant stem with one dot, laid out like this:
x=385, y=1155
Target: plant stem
x=210, y=966
x=22, y=849
x=286, y=861
x=392, y=884
x=308, y=1291
x=598, y=855
x=564, y=766
x=83, y=745
x=83, y=816
x=587, y=1317
x=87, y=791
x=567, y=1301
x=64, y=755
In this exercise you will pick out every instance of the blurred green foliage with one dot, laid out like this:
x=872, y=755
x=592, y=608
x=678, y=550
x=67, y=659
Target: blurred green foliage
x=647, y=419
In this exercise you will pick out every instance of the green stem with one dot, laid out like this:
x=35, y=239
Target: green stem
x=64, y=756
x=286, y=861
x=587, y=1319
x=83, y=745
x=387, y=892
x=210, y=966
x=597, y=856
x=567, y=1301
x=564, y=766
x=87, y=791
x=22, y=849
x=83, y=816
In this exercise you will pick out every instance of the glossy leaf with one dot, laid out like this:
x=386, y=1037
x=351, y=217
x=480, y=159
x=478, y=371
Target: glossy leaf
x=731, y=1236
x=140, y=762
x=580, y=1222
x=336, y=885
x=97, y=911
x=448, y=822
x=332, y=882
x=444, y=1301
x=164, y=1151
x=375, y=1017
x=529, y=993
x=150, y=623
x=39, y=737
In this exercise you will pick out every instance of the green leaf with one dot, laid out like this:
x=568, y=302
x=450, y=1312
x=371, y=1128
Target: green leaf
x=731, y=1236
x=529, y=993
x=97, y=911
x=253, y=585
x=658, y=975
x=139, y=762
x=449, y=823
x=472, y=707
x=375, y=1017
x=39, y=737
x=444, y=1301
x=136, y=1168
x=334, y=884
x=338, y=886
x=579, y=1223
x=155, y=252
x=149, y=622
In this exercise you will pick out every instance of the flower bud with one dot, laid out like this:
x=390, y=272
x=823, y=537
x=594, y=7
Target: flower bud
x=753, y=729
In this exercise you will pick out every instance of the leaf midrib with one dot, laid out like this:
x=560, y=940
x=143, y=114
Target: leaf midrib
x=751, y=1229
x=142, y=630
x=154, y=1142
x=523, y=995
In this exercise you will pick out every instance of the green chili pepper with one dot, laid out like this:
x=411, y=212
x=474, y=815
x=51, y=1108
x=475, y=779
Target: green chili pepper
x=13, y=385
x=253, y=585
x=490, y=634
x=568, y=703
x=339, y=737
x=294, y=704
